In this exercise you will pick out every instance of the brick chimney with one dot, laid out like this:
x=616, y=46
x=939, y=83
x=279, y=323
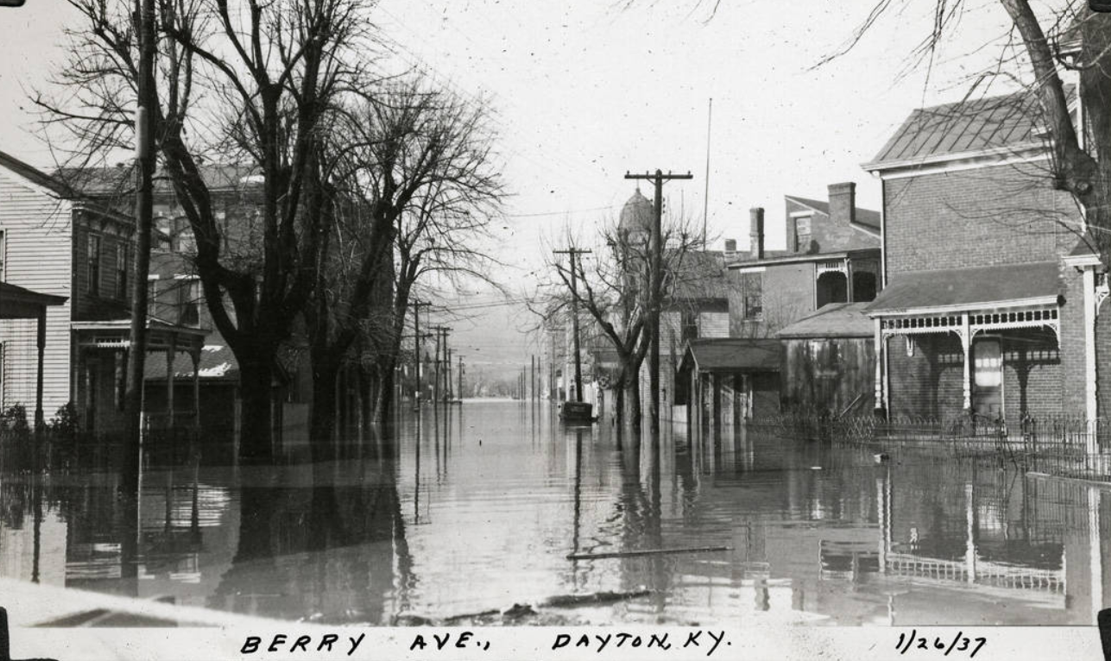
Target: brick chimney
x=842, y=202
x=756, y=232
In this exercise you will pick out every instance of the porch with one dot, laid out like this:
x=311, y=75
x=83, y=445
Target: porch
x=981, y=343
x=100, y=374
x=728, y=380
x=20, y=303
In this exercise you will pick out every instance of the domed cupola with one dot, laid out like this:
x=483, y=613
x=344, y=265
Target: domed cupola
x=636, y=218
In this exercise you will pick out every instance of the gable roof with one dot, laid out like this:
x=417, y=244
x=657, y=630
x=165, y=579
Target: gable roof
x=35, y=175
x=832, y=320
x=119, y=180
x=732, y=354
x=700, y=276
x=966, y=128
x=866, y=217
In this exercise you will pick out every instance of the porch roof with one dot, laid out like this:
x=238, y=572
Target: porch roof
x=217, y=363
x=20, y=303
x=832, y=320
x=732, y=355
x=114, y=334
x=968, y=289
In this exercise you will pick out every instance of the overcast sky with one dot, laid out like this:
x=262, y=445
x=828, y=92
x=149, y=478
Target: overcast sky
x=586, y=90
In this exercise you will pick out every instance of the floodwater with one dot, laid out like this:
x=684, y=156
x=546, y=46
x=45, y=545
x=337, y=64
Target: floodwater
x=473, y=510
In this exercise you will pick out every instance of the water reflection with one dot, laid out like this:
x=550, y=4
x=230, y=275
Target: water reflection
x=463, y=509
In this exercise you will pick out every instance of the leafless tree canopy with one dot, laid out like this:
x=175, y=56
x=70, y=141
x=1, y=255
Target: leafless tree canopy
x=614, y=292
x=338, y=159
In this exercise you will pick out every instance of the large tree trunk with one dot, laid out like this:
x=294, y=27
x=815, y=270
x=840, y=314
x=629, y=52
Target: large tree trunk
x=367, y=399
x=386, y=371
x=632, y=396
x=257, y=411
x=322, y=418
x=619, y=402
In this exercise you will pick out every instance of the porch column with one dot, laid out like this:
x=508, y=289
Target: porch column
x=196, y=356
x=170, y=353
x=966, y=346
x=1091, y=406
x=970, y=533
x=40, y=343
x=878, y=340
x=1096, y=586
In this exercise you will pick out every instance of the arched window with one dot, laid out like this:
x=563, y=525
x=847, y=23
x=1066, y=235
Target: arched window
x=832, y=288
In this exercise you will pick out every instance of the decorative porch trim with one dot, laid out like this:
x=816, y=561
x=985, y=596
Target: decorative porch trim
x=965, y=326
x=978, y=322
x=832, y=266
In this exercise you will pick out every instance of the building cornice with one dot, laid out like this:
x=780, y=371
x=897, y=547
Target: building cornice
x=1028, y=152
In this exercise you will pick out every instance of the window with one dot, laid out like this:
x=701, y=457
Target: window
x=2, y=245
x=93, y=284
x=190, y=291
x=1, y=375
x=183, y=237
x=802, y=234
x=123, y=258
x=754, y=296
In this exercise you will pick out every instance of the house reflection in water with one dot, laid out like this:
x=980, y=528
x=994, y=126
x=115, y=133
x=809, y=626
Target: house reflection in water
x=914, y=541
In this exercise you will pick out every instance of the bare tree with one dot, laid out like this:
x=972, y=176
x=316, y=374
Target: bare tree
x=1044, y=40
x=615, y=293
x=413, y=189
x=246, y=82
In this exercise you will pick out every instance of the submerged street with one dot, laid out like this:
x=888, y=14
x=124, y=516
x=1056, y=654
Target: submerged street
x=491, y=511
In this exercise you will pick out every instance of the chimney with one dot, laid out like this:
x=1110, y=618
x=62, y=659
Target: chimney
x=730, y=247
x=756, y=232
x=842, y=202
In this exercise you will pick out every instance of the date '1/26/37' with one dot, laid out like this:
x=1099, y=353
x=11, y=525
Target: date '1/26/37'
x=959, y=643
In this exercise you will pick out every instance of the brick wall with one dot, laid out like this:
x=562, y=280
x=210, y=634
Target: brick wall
x=1072, y=342
x=931, y=381
x=988, y=216
x=788, y=295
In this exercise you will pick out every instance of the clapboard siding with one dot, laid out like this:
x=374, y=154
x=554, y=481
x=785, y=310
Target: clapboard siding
x=104, y=304
x=713, y=324
x=38, y=231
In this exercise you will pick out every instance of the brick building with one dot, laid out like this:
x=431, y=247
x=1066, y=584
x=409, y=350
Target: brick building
x=832, y=255
x=992, y=295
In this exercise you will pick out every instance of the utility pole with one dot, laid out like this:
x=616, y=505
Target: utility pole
x=459, y=376
x=417, y=305
x=447, y=376
x=574, y=252
x=436, y=377
x=144, y=211
x=656, y=281
x=441, y=338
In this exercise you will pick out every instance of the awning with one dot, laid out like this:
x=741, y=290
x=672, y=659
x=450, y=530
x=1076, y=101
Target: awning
x=19, y=303
x=832, y=320
x=968, y=301
x=732, y=355
x=969, y=289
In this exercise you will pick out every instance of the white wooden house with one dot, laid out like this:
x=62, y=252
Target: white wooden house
x=53, y=241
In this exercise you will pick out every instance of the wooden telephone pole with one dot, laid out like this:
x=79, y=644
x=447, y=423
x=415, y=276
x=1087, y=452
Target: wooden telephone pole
x=417, y=305
x=574, y=252
x=656, y=282
x=144, y=220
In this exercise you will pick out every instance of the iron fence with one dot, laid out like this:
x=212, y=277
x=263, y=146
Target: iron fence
x=1063, y=445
